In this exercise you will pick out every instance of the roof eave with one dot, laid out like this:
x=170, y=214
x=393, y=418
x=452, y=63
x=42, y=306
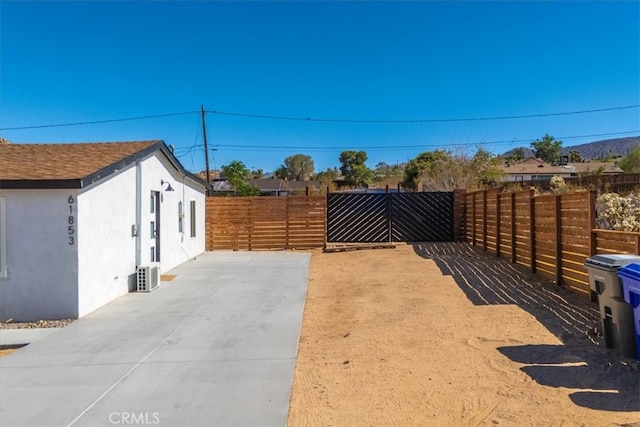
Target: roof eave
x=46, y=184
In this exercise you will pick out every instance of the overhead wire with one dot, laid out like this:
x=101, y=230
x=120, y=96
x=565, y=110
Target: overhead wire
x=327, y=120
x=463, y=119
x=243, y=147
x=99, y=121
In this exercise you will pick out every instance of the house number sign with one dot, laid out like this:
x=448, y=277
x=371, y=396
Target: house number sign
x=71, y=222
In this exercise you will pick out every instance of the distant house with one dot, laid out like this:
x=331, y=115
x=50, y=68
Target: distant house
x=281, y=187
x=76, y=220
x=269, y=187
x=533, y=169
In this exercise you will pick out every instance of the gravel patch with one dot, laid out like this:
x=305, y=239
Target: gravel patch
x=59, y=323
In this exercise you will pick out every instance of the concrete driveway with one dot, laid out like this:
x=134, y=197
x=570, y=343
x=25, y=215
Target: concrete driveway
x=216, y=346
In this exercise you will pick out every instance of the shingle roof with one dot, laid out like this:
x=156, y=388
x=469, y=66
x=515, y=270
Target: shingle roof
x=63, y=161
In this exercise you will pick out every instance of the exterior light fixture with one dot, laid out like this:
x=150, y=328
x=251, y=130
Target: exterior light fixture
x=169, y=187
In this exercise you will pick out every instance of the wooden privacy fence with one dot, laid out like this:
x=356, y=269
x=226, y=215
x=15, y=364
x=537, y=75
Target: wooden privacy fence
x=616, y=183
x=552, y=235
x=251, y=223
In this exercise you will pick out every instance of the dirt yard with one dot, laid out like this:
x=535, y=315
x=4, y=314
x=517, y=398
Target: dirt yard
x=444, y=335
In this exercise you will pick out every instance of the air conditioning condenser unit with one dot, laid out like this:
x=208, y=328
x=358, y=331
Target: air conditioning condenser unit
x=147, y=278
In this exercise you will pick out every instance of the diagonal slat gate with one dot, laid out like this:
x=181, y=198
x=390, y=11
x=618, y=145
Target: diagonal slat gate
x=422, y=217
x=360, y=219
x=391, y=217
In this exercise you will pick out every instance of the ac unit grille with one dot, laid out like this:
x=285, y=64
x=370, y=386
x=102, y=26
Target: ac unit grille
x=147, y=279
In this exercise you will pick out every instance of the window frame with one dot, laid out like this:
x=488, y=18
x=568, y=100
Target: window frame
x=192, y=218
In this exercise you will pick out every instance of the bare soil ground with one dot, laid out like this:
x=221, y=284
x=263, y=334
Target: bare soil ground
x=445, y=335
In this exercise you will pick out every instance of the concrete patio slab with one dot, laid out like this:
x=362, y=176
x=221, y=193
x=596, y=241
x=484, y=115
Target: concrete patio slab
x=24, y=336
x=215, y=346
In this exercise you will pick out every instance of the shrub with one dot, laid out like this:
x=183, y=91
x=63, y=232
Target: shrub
x=558, y=186
x=616, y=212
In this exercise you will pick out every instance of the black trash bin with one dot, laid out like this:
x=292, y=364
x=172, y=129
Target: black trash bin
x=616, y=315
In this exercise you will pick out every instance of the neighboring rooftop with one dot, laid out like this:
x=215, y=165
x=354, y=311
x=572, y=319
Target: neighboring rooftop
x=534, y=166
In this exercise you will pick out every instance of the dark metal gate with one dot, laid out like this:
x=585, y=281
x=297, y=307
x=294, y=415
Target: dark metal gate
x=390, y=217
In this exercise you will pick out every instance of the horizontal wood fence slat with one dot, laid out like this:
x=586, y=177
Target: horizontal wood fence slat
x=265, y=223
x=552, y=235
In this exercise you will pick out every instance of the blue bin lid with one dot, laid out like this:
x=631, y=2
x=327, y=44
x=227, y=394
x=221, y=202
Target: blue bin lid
x=631, y=271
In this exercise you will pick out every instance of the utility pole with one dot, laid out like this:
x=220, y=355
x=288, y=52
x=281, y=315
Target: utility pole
x=206, y=148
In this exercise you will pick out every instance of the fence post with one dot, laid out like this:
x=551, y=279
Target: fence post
x=558, y=220
x=484, y=220
x=250, y=225
x=498, y=240
x=326, y=218
x=459, y=213
x=532, y=230
x=592, y=223
x=286, y=244
x=638, y=244
x=513, y=228
x=473, y=218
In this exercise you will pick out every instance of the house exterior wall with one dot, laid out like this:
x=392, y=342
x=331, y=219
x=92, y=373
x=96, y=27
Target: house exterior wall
x=42, y=265
x=107, y=212
x=69, y=252
x=106, y=246
x=176, y=247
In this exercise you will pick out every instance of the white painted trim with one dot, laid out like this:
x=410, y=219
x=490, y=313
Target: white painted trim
x=3, y=237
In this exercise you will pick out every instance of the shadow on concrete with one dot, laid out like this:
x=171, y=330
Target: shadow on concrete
x=605, y=380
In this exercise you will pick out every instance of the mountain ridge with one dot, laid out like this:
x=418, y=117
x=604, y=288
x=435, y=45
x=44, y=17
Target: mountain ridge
x=601, y=149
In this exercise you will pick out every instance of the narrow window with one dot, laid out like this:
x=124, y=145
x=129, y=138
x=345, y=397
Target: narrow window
x=193, y=217
x=153, y=202
x=180, y=218
x=3, y=238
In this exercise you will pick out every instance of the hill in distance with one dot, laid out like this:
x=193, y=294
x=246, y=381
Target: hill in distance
x=617, y=147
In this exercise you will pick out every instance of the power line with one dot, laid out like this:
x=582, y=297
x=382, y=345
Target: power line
x=326, y=120
x=466, y=119
x=99, y=121
x=242, y=147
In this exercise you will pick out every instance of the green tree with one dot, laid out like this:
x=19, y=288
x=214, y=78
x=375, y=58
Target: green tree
x=486, y=168
x=515, y=156
x=547, y=148
x=298, y=167
x=631, y=163
x=425, y=165
x=257, y=174
x=355, y=171
x=236, y=174
x=327, y=178
x=575, y=157
x=384, y=173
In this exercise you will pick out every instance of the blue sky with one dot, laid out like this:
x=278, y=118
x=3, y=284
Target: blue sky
x=69, y=62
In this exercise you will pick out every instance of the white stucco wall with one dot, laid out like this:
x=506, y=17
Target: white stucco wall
x=42, y=267
x=176, y=247
x=106, y=247
x=49, y=278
